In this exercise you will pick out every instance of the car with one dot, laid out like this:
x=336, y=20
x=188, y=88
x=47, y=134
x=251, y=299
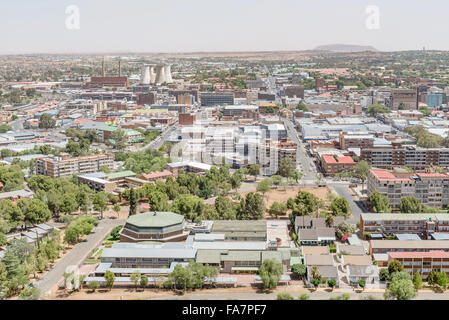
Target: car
x=353, y=185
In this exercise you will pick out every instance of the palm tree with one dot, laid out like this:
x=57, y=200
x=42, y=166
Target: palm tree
x=329, y=221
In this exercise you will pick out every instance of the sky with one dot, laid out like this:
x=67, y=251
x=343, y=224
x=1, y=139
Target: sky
x=43, y=26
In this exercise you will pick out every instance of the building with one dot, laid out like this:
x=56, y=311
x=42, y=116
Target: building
x=16, y=195
x=237, y=230
x=333, y=164
x=407, y=98
x=97, y=181
x=65, y=166
x=355, y=140
x=109, y=82
x=422, y=224
x=316, y=236
x=422, y=262
x=160, y=226
x=209, y=99
x=293, y=91
x=418, y=159
x=147, y=98
x=431, y=189
x=187, y=119
x=195, y=167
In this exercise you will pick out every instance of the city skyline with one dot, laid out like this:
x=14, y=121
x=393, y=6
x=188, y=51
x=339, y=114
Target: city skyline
x=205, y=26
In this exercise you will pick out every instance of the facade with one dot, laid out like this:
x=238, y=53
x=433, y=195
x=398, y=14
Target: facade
x=209, y=99
x=353, y=140
x=406, y=97
x=65, y=166
x=431, y=189
x=412, y=157
x=160, y=226
x=386, y=246
x=97, y=182
x=422, y=224
x=333, y=164
x=109, y=82
x=422, y=262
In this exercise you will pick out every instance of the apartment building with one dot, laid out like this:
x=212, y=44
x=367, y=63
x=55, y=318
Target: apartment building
x=65, y=166
x=408, y=98
x=422, y=224
x=355, y=140
x=386, y=246
x=413, y=157
x=209, y=99
x=333, y=164
x=422, y=262
x=431, y=189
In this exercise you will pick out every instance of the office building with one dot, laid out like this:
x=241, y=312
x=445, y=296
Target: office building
x=210, y=99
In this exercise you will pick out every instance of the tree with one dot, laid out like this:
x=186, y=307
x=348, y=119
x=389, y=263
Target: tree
x=376, y=109
x=116, y=209
x=410, y=205
x=226, y=208
x=299, y=269
x=315, y=282
x=143, y=281
x=276, y=179
x=296, y=175
x=442, y=280
x=46, y=121
x=254, y=170
x=277, y=209
x=400, y=289
x=110, y=278
x=286, y=167
x=395, y=266
x=284, y=296
x=379, y=203
x=417, y=281
x=340, y=207
x=68, y=203
x=188, y=206
x=236, y=180
x=119, y=138
x=132, y=202
x=100, y=202
x=361, y=170
x=93, y=285
x=305, y=203
x=264, y=186
x=270, y=271
x=361, y=283
x=344, y=228
x=252, y=207
x=302, y=106
x=135, y=277
x=158, y=201
x=34, y=210
x=425, y=111
x=384, y=275
x=432, y=278
x=332, y=283
x=30, y=294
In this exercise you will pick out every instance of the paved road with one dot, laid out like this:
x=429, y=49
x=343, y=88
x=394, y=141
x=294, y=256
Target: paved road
x=343, y=191
x=76, y=255
x=156, y=144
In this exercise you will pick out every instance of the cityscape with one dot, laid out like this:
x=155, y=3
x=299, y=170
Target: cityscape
x=312, y=174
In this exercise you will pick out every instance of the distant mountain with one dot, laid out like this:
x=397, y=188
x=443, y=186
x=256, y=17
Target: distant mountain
x=345, y=48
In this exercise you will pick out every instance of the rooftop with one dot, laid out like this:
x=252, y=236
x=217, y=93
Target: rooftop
x=155, y=219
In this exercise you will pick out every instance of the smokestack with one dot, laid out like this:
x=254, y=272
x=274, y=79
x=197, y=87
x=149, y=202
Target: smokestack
x=119, y=68
x=103, y=71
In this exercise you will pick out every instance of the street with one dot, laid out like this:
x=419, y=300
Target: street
x=76, y=255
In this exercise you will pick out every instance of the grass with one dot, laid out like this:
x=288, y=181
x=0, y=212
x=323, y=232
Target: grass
x=92, y=261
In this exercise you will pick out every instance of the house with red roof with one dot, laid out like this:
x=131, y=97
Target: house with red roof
x=332, y=164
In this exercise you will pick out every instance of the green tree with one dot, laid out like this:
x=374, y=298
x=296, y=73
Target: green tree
x=344, y=228
x=252, y=207
x=110, y=278
x=132, y=202
x=379, y=203
x=410, y=205
x=158, y=201
x=315, y=282
x=116, y=208
x=119, y=138
x=93, y=285
x=302, y=106
x=135, y=277
x=417, y=280
x=361, y=283
x=264, y=186
x=296, y=175
x=395, y=266
x=305, y=203
x=442, y=280
x=331, y=283
x=376, y=109
x=34, y=210
x=286, y=167
x=340, y=207
x=277, y=209
x=46, y=121
x=400, y=289
x=361, y=170
x=299, y=269
x=100, y=202
x=254, y=170
x=30, y=294
x=144, y=281
x=270, y=271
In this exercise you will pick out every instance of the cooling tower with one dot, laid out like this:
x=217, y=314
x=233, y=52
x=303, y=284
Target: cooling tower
x=145, y=77
x=167, y=71
x=160, y=74
x=152, y=75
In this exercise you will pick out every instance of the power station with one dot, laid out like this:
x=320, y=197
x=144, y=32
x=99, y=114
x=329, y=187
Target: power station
x=152, y=74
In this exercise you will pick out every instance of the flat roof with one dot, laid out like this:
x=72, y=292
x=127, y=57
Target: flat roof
x=230, y=245
x=145, y=252
x=430, y=254
x=410, y=244
x=155, y=219
x=407, y=236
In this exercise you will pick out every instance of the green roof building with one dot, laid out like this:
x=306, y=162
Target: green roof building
x=160, y=226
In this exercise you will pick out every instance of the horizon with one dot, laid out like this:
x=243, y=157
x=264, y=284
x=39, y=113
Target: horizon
x=176, y=26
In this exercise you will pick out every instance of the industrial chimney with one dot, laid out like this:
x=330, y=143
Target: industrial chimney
x=103, y=70
x=119, y=68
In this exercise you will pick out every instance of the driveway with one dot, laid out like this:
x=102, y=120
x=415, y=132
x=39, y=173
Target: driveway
x=77, y=255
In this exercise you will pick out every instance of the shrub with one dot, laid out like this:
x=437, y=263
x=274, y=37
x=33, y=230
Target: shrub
x=93, y=285
x=304, y=296
x=284, y=296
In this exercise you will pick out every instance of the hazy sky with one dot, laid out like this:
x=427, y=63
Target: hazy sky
x=39, y=26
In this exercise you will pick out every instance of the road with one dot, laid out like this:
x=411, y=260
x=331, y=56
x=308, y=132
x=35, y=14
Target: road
x=156, y=144
x=76, y=255
x=343, y=191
